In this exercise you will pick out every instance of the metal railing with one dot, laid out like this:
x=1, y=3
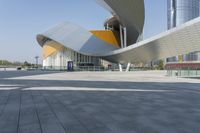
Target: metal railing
x=91, y=68
x=76, y=68
x=184, y=72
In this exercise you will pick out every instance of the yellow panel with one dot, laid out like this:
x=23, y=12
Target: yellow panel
x=109, y=36
x=48, y=51
x=51, y=48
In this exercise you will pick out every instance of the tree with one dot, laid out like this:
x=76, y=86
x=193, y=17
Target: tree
x=26, y=64
x=5, y=63
x=161, y=65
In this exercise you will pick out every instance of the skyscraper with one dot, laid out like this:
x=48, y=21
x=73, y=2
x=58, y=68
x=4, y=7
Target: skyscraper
x=181, y=11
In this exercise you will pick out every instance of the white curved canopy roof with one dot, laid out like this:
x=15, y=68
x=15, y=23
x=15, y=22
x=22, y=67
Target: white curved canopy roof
x=76, y=38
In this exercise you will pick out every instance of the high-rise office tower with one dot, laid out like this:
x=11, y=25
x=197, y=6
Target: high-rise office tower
x=181, y=11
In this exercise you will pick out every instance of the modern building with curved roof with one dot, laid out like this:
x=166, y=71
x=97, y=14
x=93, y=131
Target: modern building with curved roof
x=121, y=42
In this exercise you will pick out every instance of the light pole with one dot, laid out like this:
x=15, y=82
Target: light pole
x=36, y=59
x=60, y=61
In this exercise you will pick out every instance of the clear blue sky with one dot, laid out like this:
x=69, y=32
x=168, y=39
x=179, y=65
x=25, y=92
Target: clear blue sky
x=22, y=20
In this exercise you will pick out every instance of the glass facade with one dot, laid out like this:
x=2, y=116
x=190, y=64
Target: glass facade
x=181, y=11
x=60, y=59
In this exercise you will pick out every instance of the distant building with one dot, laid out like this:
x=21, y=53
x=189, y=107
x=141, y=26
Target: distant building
x=181, y=11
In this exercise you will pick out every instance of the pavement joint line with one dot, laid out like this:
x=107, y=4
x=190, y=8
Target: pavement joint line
x=93, y=89
x=52, y=110
x=36, y=111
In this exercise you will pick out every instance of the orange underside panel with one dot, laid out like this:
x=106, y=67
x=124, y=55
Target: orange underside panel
x=108, y=36
x=48, y=50
x=51, y=48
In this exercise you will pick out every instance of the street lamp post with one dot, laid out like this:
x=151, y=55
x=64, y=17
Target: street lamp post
x=60, y=61
x=36, y=58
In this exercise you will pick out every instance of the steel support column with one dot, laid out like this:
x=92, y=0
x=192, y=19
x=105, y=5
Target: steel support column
x=128, y=67
x=121, y=36
x=120, y=68
x=125, y=36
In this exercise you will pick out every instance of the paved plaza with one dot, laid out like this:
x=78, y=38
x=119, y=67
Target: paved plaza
x=98, y=102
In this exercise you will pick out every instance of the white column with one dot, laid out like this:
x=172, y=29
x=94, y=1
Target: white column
x=128, y=67
x=44, y=62
x=120, y=68
x=107, y=26
x=121, y=36
x=125, y=37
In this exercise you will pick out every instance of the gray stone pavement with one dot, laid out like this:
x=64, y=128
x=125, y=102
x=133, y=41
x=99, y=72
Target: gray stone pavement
x=98, y=102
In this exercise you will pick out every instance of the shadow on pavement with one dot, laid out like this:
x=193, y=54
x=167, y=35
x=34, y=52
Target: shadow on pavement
x=12, y=74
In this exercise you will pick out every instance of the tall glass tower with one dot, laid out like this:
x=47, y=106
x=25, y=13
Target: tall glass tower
x=181, y=11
